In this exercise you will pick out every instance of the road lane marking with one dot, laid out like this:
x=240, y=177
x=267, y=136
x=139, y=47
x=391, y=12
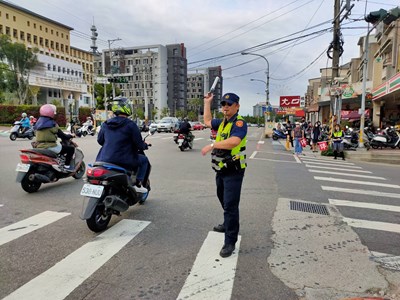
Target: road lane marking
x=260, y=142
x=332, y=179
x=211, y=276
x=376, y=206
x=253, y=154
x=346, y=174
x=337, y=169
x=16, y=230
x=333, y=164
x=360, y=192
x=297, y=159
x=388, y=261
x=308, y=159
x=196, y=139
x=66, y=275
x=364, y=224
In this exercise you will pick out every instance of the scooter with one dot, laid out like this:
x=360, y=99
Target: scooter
x=350, y=141
x=84, y=130
x=109, y=191
x=185, y=141
x=175, y=136
x=278, y=134
x=39, y=166
x=387, y=138
x=16, y=132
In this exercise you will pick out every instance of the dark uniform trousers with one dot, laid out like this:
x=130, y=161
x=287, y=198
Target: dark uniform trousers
x=229, y=186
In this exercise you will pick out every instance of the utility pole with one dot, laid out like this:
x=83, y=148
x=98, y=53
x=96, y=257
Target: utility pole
x=336, y=51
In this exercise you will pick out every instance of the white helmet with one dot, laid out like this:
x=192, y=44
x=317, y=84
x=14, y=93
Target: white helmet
x=23, y=115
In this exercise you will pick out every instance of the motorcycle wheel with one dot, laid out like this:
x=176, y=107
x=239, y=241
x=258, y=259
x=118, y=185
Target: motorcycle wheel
x=274, y=137
x=30, y=186
x=81, y=171
x=13, y=136
x=181, y=147
x=30, y=137
x=84, y=133
x=99, y=220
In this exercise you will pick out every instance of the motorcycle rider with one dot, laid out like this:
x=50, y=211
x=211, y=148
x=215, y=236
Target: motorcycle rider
x=121, y=140
x=47, y=131
x=185, y=128
x=32, y=120
x=25, y=123
x=89, y=124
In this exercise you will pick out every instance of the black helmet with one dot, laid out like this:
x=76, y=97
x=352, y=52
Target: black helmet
x=120, y=106
x=185, y=119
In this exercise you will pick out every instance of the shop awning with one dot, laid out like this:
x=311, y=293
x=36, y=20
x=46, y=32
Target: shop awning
x=354, y=115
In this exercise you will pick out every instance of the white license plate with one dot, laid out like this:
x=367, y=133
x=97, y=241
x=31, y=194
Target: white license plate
x=180, y=142
x=91, y=190
x=22, y=167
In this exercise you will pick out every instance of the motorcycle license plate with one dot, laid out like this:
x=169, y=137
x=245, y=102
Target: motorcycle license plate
x=180, y=142
x=91, y=190
x=22, y=167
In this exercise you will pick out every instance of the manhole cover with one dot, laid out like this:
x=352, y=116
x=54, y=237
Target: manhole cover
x=309, y=207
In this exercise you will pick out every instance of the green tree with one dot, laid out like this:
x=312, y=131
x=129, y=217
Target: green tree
x=195, y=105
x=192, y=116
x=180, y=114
x=164, y=112
x=140, y=113
x=99, y=94
x=21, y=61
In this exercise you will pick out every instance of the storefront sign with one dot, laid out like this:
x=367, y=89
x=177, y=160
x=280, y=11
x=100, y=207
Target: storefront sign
x=289, y=101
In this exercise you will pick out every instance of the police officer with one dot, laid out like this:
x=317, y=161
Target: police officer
x=229, y=162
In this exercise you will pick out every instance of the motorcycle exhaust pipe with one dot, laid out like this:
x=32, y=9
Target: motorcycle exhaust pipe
x=115, y=203
x=41, y=178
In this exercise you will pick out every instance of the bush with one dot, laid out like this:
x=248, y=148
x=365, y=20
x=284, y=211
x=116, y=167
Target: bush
x=328, y=152
x=11, y=113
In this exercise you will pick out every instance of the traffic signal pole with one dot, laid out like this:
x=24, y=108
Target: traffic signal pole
x=335, y=56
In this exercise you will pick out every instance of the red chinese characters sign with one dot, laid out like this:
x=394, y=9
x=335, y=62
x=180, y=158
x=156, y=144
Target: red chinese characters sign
x=289, y=101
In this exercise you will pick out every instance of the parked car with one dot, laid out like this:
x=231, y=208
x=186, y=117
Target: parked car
x=153, y=125
x=167, y=124
x=197, y=126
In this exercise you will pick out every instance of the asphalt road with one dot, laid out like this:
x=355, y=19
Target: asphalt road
x=173, y=244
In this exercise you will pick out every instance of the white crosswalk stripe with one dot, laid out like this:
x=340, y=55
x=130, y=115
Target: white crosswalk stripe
x=60, y=280
x=391, y=227
x=346, y=174
x=16, y=230
x=333, y=164
x=309, y=159
x=211, y=277
x=361, y=192
x=370, y=183
x=337, y=169
x=337, y=202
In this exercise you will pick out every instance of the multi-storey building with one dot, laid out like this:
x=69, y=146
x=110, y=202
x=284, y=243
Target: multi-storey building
x=386, y=66
x=200, y=82
x=65, y=72
x=259, y=109
x=154, y=76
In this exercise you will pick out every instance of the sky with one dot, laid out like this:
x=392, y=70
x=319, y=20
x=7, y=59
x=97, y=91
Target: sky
x=293, y=35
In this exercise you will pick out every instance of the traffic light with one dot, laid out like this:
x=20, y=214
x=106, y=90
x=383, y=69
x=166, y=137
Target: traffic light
x=376, y=16
x=382, y=15
x=392, y=15
x=118, y=79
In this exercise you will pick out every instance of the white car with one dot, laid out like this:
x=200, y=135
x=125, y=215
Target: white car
x=167, y=124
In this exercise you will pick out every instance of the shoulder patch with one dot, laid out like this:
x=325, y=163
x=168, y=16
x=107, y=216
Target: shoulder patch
x=239, y=123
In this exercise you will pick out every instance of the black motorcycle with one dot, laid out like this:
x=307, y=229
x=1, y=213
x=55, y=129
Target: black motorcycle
x=185, y=141
x=109, y=191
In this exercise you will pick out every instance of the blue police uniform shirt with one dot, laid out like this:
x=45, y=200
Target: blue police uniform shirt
x=237, y=131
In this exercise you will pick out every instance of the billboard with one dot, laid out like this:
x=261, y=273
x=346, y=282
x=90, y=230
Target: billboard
x=289, y=101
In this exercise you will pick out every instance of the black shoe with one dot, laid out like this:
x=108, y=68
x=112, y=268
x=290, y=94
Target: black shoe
x=227, y=250
x=219, y=228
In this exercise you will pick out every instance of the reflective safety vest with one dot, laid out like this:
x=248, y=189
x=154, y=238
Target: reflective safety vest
x=338, y=134
x=234, y=159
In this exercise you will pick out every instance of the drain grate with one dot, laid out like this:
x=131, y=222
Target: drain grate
x=309, y=207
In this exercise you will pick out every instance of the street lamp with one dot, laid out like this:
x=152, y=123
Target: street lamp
x=266, y=72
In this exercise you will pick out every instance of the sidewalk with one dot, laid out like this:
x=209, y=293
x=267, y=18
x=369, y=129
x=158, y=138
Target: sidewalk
x=386, y=156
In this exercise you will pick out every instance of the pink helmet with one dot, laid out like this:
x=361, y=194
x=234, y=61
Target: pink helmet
x=48, y=110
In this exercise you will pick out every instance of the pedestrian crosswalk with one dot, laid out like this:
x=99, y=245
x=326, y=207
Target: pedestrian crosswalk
x=211, y=277
x=348, y=183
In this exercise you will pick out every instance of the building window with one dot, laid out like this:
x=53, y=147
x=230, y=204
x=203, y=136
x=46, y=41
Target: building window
x=54, y=68
x=56, y=33
x=35, y=39
x=63, y=70
x=51, y=31
x=40, y=27
x=8, y=32
x=28, y=23
x=34, y=25
x=57, y=46
x=51, y=44
x=59, y=69
x=50, y=93
x=28, y=37
x=46, y=42
x=14, y=19
x=1, y=29
x=15, y=33
x=62, y=35
x=49, y=67
x=45, y=29
x=7, y=16
x=62, y=47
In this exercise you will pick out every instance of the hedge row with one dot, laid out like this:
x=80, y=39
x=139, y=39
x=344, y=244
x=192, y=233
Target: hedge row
x=11, y=113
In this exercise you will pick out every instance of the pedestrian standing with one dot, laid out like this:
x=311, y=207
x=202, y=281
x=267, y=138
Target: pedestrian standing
x=316, y=134
x=337, y=138
x=229, y=162
x=298, y=133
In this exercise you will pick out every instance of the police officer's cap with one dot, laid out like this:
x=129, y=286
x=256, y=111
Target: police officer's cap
x=230, y=98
